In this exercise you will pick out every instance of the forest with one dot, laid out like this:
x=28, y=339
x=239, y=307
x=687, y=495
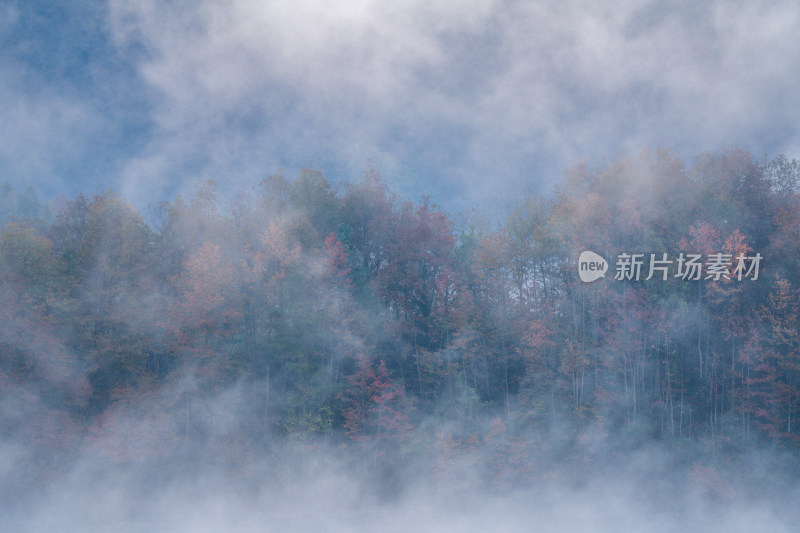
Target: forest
x=304, y=315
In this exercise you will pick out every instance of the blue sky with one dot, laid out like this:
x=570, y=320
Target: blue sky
x=457, y=100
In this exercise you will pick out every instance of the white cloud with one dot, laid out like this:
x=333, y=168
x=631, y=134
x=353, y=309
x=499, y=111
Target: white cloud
x=453, y=89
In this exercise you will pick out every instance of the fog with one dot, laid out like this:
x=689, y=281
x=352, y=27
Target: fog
x=231, y=299
x=314, y=488
x=148, y=96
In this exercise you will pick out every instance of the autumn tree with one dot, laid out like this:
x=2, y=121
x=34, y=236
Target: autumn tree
x=375, y=411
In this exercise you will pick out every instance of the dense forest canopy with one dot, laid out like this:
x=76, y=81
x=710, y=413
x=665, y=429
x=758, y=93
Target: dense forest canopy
x=302, y=313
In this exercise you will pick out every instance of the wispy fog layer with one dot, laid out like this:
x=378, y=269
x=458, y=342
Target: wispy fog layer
x=456, y=92
x=201, y=343
x=442, y=97
x=307, y=359
x=314, y=489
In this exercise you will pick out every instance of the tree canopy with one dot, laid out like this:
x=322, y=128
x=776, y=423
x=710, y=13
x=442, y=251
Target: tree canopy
x=355, y=316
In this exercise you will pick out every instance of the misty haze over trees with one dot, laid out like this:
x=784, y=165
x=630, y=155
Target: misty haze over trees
x=457, y=349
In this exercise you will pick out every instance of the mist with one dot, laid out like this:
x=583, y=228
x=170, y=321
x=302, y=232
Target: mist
x=306, y=357
x=299, y=266
x=460, y=102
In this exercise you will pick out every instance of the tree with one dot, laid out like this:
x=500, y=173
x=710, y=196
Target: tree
x=375, y=410
x=773, y=361
x=418, y=257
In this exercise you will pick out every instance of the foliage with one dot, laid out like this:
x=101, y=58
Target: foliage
x=353, y=315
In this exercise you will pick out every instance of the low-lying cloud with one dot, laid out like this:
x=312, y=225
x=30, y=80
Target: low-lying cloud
x=451, y=94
